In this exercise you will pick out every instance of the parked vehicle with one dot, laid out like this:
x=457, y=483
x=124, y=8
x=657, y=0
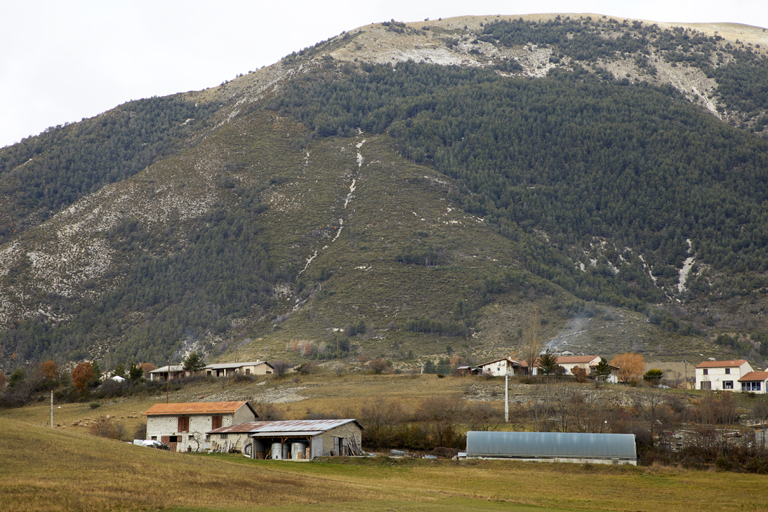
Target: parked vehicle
x=151, y=443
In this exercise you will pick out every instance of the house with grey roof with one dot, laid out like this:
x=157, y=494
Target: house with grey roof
x=231, y=369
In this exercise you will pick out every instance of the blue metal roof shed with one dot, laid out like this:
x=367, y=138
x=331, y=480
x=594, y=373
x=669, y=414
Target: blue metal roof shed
x=553, y=447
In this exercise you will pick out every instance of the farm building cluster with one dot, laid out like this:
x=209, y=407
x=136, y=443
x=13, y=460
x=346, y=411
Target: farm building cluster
x=506, y=366
x=213, y=370
x=234, y=426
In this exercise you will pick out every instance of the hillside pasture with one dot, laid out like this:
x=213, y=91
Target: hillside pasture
x=53, y=470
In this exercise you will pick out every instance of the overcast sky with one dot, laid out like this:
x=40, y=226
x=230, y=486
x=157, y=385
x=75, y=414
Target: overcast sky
x=62, y=61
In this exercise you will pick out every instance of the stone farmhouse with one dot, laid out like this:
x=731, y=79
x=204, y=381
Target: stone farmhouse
x=184, y=426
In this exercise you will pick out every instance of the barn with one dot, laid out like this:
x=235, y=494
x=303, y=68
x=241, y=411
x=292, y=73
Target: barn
x=291, y=439
x=553, y=447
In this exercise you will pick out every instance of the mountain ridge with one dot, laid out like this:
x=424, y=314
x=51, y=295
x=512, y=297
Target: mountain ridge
x=424, y=291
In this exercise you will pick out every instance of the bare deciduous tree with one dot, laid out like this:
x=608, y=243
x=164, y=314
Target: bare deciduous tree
x=281, y=367
x=531, y=344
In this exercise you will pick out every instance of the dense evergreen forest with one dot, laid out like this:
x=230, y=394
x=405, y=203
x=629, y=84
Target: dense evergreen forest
x=576, y=155
x=219, y=272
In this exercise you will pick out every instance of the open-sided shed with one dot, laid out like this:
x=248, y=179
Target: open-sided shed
x=553, y=447
x=291, y=439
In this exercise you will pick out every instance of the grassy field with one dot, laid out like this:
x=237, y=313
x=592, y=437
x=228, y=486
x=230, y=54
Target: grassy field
x=300, y=396
x=54, y=470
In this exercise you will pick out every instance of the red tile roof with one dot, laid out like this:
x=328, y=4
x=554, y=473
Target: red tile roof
x=576, y=359
x=195, y=408
x=761, y=376
x=721, y=364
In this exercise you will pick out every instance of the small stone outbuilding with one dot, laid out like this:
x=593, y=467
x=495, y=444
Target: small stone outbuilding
x=291, y=439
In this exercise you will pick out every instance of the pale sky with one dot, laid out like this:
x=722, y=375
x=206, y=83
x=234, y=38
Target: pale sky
x=62, y=61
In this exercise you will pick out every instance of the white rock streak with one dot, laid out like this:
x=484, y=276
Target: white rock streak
x=309, y=260
x=349, y=196
x=341, y=226
x=347, y=199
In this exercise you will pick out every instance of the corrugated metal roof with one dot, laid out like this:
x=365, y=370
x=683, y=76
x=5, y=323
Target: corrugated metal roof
x=247, y=427
x=551, y=444
x=195, y=408
x=761, y=376
x=253, y=427
x=721, y=364
x=292, y=433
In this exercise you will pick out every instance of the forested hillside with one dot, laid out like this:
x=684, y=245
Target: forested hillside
x=405, y=190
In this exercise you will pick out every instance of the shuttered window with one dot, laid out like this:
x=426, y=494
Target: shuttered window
x=183, y=424
x=215, y=422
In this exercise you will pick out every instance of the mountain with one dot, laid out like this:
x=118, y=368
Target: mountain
x=408, y=190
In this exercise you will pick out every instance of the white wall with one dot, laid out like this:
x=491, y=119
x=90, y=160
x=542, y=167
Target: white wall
x=720, y=377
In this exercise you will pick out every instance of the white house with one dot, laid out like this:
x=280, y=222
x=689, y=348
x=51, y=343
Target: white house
x=588, y=364
x=754, y=382
x=721, y=375
x=231, y=369
x=184, y=426
x=499, y=367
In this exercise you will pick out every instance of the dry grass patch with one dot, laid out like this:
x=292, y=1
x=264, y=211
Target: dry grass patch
x=51, y=470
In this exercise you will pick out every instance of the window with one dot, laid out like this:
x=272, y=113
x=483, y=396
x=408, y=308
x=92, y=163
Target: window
x=751, y=386
x=727, y=384
x=706, y=372
x=247, y=371
x=222, y=436
x=727, y=371
x=215, y=422
x=183, y=424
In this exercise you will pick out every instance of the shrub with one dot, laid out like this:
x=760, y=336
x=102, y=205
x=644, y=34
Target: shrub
x=379, y=366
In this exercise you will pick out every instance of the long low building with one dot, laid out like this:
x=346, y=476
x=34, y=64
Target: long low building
x=553, y=447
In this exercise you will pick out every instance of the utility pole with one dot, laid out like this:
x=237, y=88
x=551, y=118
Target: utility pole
x=51, y=409
x=506, y=391
x=168, y=381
